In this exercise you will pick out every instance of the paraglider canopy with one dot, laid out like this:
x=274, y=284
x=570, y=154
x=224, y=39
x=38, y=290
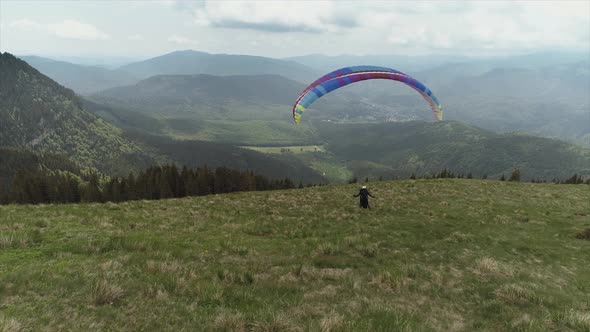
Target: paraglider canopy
x=349, y=75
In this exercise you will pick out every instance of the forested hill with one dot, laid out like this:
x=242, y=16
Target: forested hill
x=401, y=149
x=39, y=114
x=12, y=160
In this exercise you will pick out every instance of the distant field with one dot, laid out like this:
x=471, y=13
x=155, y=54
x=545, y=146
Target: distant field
x=255, y=132
x=432, y=255
x=286, y=149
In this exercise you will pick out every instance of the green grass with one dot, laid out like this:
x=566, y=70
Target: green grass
x=432, y=255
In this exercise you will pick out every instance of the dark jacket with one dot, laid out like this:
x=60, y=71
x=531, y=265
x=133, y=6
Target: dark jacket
x=364, y=198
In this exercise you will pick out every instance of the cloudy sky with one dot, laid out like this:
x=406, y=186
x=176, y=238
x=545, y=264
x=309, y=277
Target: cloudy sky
x=289, y=28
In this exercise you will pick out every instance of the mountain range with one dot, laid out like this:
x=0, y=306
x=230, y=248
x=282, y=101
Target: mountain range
x=83, y=79
x=541, y=94
x=127, y=128
x=365, y=149
x=189, y=62
x=86, y=79
x=40, y=116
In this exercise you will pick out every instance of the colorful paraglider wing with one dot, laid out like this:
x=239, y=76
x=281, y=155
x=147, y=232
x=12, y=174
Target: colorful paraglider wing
x=345, y=76
x=346, y=71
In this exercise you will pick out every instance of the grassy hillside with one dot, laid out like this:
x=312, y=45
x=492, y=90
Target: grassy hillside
x=436, y=255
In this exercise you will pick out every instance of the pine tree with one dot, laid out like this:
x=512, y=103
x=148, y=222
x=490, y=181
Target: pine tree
x=91, y=192
x=515, y=176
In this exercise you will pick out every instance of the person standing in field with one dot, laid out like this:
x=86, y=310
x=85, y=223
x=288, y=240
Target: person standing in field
x=364, y=197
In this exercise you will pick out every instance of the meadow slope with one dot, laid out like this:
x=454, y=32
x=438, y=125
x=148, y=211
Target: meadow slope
x=432, y=255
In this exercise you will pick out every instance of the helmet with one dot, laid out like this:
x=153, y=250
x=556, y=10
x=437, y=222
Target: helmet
x=364, y=187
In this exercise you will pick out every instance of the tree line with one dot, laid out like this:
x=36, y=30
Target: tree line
x=157, y=182
x=515, y=176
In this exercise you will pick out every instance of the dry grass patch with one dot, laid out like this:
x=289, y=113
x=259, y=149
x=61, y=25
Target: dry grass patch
x=326, y=249
x=333, y=322
x=523, y=323
x=458, y=237
x=230, y=321
x=13, y=240
x=443, y=318
x=389, y=283
x=7, y=240
x=307, y=274
x=324, y=293
x=172, y=267
x=311, y=273
x=111, y=265
x=10, y=325
x=352, y=241
x=488, y=267
x=368, y=250
x=517, y=294
x=569, y=320
x=502, y=219
x=277, y=323
x=104, y=292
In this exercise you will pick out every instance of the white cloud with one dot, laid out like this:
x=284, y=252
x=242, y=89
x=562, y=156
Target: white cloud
x=182, y=40
x=73, y=29
x=69, y=29
x=287, y=28
x=275, y=16
x=26, y=24
x=401, y=26
x=479, y=26
x=135, y=37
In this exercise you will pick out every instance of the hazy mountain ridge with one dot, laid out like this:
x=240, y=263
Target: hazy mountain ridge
x=162, y=89
x=80, y=78
x=253, y=110
x=540, y=93
x=419, y=63
x=190, y=62
x=86, y=79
